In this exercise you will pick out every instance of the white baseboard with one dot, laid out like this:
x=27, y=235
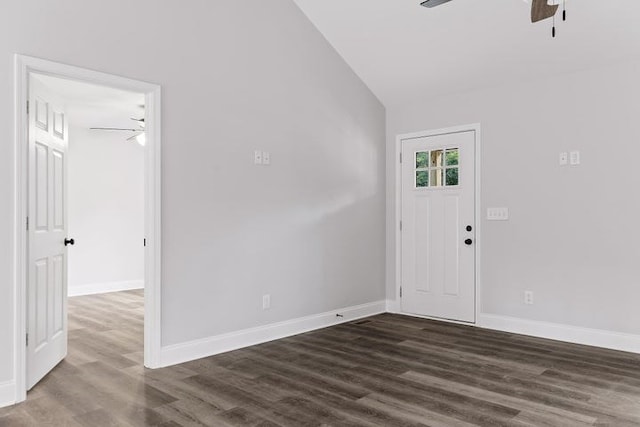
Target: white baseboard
x=198, y=349
x=7, y=393
x=573, y=334
x=103, y=288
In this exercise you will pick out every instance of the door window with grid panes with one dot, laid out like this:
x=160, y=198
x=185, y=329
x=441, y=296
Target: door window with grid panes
x=437, y=168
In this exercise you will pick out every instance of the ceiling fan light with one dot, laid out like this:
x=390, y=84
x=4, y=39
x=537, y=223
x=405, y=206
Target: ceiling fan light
x=142, y=139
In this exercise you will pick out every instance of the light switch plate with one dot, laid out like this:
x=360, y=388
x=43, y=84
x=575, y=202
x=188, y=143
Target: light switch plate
x=266, y=158
x=575, y=158
x=257, y=157
x=498, y=214
x=528, y=297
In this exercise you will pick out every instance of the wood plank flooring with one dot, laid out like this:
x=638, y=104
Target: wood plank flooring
x=387, y=370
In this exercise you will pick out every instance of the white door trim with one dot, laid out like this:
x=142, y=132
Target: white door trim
x=475, y=127
x=24, y=66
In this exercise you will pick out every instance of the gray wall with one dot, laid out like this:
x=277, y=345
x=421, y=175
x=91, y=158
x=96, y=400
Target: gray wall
x=573, y=234
x=237, y=76
x=106, y=209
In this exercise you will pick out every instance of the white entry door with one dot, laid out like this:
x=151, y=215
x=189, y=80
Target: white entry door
x=438, y=226
x=47, y=225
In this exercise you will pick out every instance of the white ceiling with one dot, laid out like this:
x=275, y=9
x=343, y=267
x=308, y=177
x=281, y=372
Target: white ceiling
x=405, y=52
x=90, y=105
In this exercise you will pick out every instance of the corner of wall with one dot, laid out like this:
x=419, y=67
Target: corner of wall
x=393, y=306
x=7, y=393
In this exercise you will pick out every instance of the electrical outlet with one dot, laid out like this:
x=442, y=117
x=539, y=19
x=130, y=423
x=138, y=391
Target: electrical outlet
x=257, y=157
x=266, y=302
x=528, y=297
x=266, y=158
x=564, y=159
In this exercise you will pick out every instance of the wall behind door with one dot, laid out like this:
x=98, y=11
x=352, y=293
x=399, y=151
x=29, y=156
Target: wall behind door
x=106, y=212
x=572, y=237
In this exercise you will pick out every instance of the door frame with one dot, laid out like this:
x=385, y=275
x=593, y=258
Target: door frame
x=474, y=127
x=24, y=66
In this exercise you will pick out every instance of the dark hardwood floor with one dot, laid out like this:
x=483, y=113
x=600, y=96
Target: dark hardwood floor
x=387, y=370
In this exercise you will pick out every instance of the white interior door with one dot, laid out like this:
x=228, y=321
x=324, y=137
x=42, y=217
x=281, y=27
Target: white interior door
x=47, y=225
x=438, y=226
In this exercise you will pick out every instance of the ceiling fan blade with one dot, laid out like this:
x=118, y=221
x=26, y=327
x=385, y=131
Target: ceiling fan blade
x=541, y=10
x=433, y=3
x=141, y=122
x=116, y=129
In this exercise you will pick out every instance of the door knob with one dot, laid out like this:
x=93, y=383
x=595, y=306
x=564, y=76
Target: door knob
x=68, y=242
x=469, y=228
x=468, y=242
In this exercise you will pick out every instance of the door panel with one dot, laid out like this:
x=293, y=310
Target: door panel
x=58, y=124
x=47, y=270
x=41, y=113
x=423, y=269
x=451, y=245
x=41, y=282
x=59, y=296
x=41, y=169
x=58, y=190
x=438, y=203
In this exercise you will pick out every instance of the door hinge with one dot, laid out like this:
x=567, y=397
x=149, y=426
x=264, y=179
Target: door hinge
x=400, y=157
x=27, y=340
x=27, y=107
x=27, y=223
x=400, y=225
x=145, y=243
x=400, y=291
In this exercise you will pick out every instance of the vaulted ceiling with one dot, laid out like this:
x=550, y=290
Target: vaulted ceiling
x=405, y=52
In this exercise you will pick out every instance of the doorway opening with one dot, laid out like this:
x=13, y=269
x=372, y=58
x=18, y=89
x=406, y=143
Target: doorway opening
x=88, y=189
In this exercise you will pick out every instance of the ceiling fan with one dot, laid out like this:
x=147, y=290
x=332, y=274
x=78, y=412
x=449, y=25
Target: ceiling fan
x=540, y=9
x=138, y=133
